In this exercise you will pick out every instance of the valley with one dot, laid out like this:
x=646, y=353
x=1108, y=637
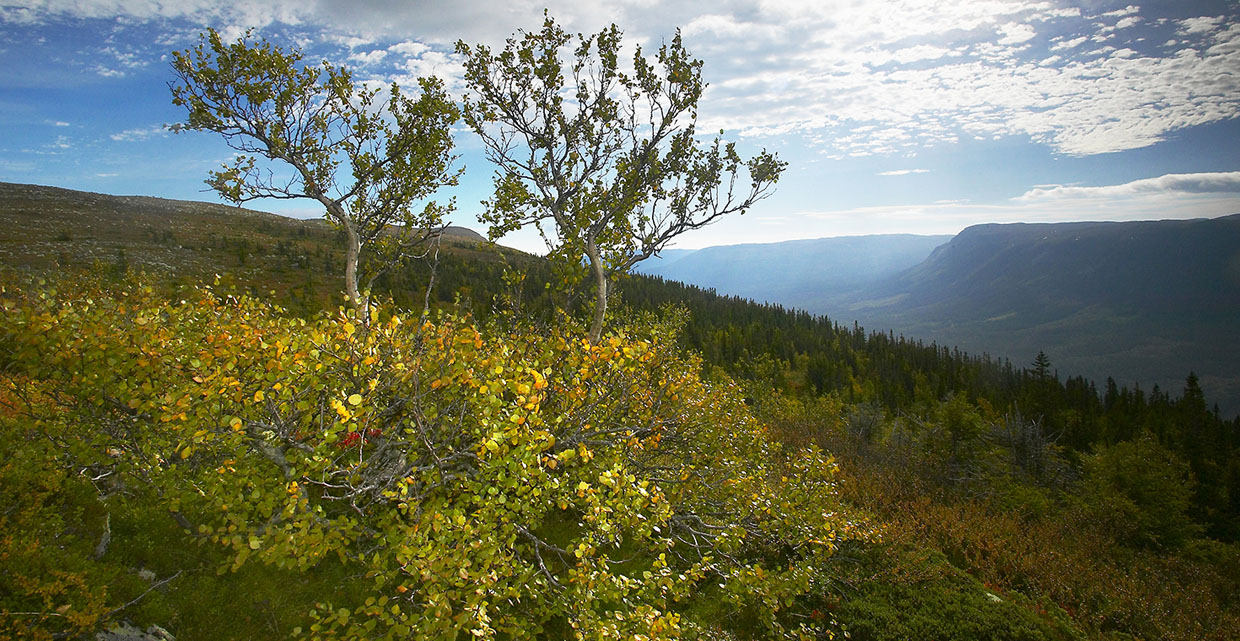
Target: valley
x=1144, y=303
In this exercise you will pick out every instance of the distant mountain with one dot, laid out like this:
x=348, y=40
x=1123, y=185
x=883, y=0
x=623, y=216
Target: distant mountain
x=1145, y=302
x=1031, y=273
x=800, y=273
x=663, y=260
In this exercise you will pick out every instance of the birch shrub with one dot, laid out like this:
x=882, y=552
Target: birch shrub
x=501, y=483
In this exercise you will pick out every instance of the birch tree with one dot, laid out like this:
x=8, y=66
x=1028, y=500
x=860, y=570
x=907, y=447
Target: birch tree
x=368, y=156
x=605, y=161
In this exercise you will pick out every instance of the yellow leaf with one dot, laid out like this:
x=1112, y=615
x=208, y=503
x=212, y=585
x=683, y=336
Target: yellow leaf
x=259, y=396
x=355, y=399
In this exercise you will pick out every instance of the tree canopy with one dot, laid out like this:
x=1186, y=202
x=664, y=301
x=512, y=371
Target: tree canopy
x=367, y=159
x=608, y=157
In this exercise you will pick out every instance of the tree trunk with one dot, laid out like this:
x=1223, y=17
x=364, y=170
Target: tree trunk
x=600, y=296
x=353, y=249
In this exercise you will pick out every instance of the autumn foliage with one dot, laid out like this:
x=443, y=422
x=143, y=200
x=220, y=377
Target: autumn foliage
x=504, y=483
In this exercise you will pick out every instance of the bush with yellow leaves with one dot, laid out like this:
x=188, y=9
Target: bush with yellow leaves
x=500, y=483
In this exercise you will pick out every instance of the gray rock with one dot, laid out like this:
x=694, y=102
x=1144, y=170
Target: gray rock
x=128, y=632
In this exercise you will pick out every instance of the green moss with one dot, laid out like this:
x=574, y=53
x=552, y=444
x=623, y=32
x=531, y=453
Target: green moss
x=922, y=596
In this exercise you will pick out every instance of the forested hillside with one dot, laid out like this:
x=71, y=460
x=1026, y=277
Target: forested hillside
x=1144, y=302
x=714, y=468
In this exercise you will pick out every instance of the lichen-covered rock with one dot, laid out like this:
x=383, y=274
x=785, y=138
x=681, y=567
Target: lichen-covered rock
x=128, y=632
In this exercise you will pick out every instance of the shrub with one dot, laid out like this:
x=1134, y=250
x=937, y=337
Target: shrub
x=505, y=484
x=1143, y=491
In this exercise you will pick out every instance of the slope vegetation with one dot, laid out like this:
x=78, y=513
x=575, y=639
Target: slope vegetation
x=672, y=480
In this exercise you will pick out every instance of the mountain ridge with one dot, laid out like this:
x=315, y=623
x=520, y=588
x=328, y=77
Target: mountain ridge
x=1144, y=302
x=10, y=191
x=833, y=265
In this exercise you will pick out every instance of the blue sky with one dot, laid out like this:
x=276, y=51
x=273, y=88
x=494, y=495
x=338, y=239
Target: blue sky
x=918, y=116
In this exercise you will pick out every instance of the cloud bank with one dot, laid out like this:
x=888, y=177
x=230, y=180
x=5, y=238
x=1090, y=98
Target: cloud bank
x=852, y=78
x=1169, y=184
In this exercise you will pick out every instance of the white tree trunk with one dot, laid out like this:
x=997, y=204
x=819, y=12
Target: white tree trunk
x=353, y=249
x=600, y=296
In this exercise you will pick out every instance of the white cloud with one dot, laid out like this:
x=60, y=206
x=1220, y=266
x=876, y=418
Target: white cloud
x=911, y=54
x=351, y=41
x=918, y=72
x=1089, y=100
x=368, y=58
x=130, y=59
x=447, y=66
x=140, y=133
x=1069, y=12
x=1201, y=183
x=1014, y=34
x=1126, y=11
x=903, y=172
x=1068, y=44
x=409, y=48
x=1227, y=42
x=726, y=26
x=256, y=13
x=1203, y=24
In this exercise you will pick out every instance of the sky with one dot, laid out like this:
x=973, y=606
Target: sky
x=895, y=116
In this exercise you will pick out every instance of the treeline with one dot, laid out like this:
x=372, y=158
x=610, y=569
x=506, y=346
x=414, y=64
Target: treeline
x=804, y=354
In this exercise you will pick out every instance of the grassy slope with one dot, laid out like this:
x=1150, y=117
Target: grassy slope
x=48, y=227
